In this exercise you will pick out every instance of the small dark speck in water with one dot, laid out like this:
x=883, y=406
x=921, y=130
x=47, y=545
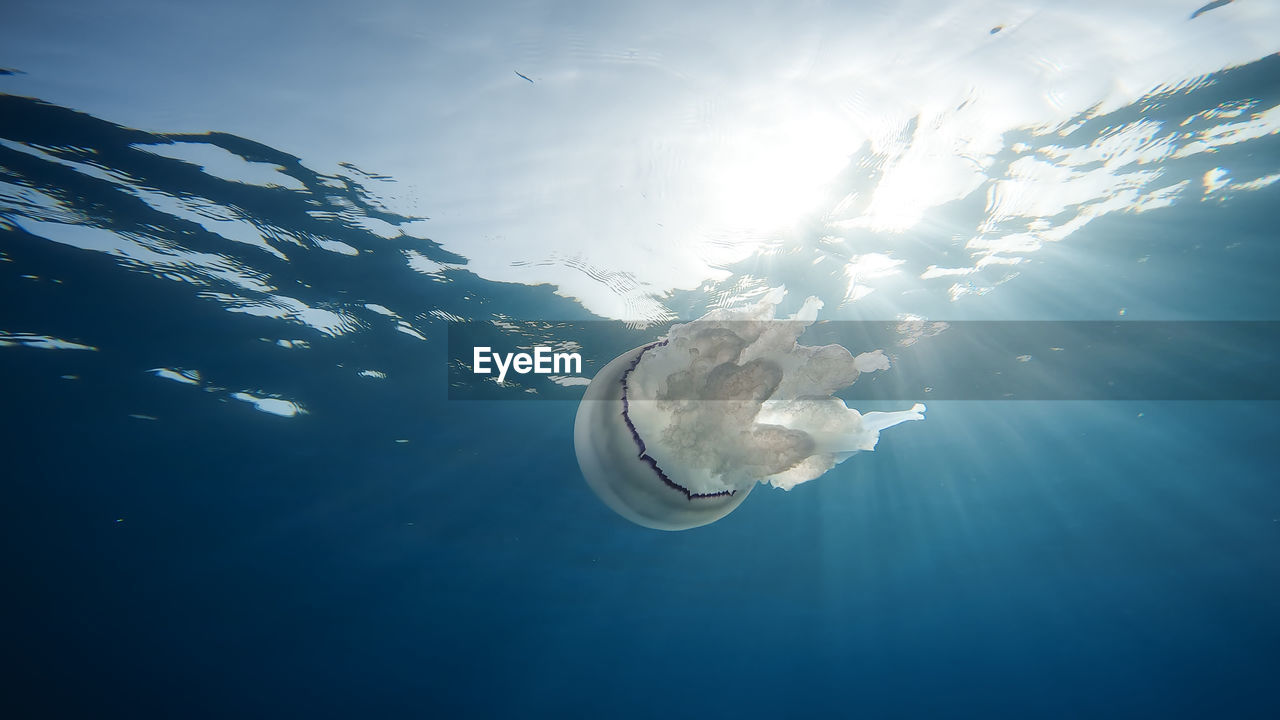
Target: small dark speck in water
x=1211, y=6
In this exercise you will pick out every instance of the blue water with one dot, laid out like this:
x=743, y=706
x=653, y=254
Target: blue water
x=171, y=552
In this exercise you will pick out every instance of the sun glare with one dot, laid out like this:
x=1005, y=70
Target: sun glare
x=772, y=168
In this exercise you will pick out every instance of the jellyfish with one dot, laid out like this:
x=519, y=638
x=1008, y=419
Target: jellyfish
x=675, y=434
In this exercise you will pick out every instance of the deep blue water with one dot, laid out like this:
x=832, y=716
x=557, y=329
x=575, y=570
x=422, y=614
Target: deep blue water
x=1015, y=559
x=1106, y=564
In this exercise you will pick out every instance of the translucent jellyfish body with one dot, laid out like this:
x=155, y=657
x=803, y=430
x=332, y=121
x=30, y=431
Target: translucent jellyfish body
x=675, y=434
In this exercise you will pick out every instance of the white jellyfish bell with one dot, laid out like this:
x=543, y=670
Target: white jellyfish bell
x=675, y=434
